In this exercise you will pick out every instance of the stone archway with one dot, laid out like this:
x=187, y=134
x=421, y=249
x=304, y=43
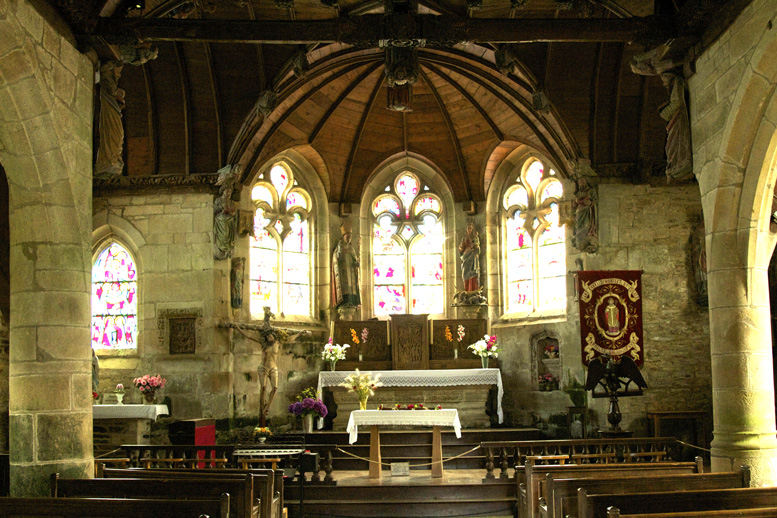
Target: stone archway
x=734, y=122
x=46, y=151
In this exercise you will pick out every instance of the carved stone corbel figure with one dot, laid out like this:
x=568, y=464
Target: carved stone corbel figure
x=225, y=213
x=109, y=162
x=679, y=158
x=585, y=235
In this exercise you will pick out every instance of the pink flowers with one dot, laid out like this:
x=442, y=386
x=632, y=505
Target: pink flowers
x=148, y=383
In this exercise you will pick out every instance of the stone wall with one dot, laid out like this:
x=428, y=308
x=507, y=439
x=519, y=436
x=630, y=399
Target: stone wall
x=641, y=228
x=171, y=236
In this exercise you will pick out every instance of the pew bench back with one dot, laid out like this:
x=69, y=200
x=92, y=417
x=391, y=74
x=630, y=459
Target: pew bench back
x=113, y=507
x=561, y=497
x=589, y=506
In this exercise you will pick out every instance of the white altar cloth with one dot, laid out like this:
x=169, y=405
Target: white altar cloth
x=128, y=411
x=424, y=378
x=444, y=417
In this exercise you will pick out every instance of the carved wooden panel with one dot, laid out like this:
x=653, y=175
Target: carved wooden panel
x=182, y=335
x=410, y=341
x=375, y=348
x=443, y=349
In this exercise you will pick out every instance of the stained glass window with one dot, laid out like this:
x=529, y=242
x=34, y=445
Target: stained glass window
x=534, y=242
x=280, y=259
x=407, y=249
x=114, y=299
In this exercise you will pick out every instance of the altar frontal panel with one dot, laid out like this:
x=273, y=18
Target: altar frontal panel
x=610, y=314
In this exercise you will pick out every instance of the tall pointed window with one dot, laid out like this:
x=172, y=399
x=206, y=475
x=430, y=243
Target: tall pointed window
x=280, y=248
x=534, y=252
x=114, y=299
x=407, y=249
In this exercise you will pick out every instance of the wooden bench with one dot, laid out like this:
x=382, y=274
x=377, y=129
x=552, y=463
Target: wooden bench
x=267, y=484
x=242, y=502
x=113, y=507
x=561, y=494
x=590, y=506
x=530, y=491
x=758, y=512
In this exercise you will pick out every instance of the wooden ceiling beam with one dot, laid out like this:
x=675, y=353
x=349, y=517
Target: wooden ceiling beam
x=382, y=30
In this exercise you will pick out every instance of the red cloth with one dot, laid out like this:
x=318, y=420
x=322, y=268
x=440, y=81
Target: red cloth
x=610, y=314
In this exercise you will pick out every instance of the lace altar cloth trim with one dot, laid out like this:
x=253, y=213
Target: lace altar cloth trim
x=427, y=378
x=128, y=411
x=445, y=417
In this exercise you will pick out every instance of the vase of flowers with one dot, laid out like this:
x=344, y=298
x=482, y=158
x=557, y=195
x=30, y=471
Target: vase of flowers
x=308, y=406
x=333, y=352
x=148, y=386
x=119, y=394
x=363, y=385
x=548, y=382
x=485, y=348
x=95, y=398
x=262, y=433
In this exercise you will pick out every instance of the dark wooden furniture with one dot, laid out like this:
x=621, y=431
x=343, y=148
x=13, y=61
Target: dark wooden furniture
x=758, y=512
x=533, y=487
x=560, y=499
x=375, y=354
x=409, y=342
x=595, y=506
x=441, y=353
x=240, y=490
x=113, y=507
x=267, y=484
x=689, y=426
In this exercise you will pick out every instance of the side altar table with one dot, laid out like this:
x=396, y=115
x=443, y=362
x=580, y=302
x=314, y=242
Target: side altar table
x=125, y=424
x=375, y=418
x=463, y=389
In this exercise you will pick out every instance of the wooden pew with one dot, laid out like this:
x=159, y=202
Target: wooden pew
x=239, y=490
x=561, y=494
x=708, y=500
x=113, y=507
x=530, y=491
x=267, y=484
x=758, y=512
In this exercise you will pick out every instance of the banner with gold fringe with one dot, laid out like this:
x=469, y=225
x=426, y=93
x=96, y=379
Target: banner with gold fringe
x=610, y=314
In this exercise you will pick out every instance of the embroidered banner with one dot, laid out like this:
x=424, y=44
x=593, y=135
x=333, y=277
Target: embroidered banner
x=610, y=314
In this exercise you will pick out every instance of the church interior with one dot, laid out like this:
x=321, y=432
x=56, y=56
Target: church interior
x=553, y=219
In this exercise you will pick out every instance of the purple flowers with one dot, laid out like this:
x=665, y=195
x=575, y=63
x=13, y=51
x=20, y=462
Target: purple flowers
x=309, y=406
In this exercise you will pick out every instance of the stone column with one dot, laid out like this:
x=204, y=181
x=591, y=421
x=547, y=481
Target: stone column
x=741, y=349
x=46, y=135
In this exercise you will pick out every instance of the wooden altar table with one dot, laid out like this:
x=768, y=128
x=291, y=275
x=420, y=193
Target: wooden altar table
x=375, y=418
x=423, y=378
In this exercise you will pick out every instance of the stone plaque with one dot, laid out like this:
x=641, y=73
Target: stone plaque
x=182, y=335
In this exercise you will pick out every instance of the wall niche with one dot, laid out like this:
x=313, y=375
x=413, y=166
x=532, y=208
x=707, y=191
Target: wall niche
x=546, y=363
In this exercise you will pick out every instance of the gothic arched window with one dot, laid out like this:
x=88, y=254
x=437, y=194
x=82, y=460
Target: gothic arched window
x=280, y=259
x=114, y=299
x=407, y=249
x=534, y=260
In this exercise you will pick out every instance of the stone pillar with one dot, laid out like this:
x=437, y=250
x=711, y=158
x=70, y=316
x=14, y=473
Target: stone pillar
x=741, y=349
x=46, y=135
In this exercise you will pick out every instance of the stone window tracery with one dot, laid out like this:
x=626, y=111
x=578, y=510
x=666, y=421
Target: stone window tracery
x=534, y=251
x=407, y=249
x=114, y=299
x=280, y=259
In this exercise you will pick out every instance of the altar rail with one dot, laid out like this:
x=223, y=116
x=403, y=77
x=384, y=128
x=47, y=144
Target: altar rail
x=204, y=457
x=510, y=454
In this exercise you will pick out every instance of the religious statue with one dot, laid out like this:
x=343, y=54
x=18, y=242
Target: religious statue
x=656, y=62
x=612, y=318
x=95, y=372
x=225, y=213
x=469, y=252
x=236, y=282
x=109, y=162
x=270, y=338
x=345, y=271
x=585, y=236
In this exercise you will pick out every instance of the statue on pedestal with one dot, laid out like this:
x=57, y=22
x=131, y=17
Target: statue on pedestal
x=469, y=253
x=345, y=271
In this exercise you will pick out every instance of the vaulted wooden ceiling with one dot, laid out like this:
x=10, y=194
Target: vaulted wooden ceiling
x=194, y=109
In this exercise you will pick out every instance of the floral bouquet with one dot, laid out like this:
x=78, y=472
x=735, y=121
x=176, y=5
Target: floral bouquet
x=485, y=348
x=363, y=384
x=308, y=404
x=119, y=388
x=148, y=385
x=95, y=396
x=262, y=432
x=333, y=352
x=548, y=381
